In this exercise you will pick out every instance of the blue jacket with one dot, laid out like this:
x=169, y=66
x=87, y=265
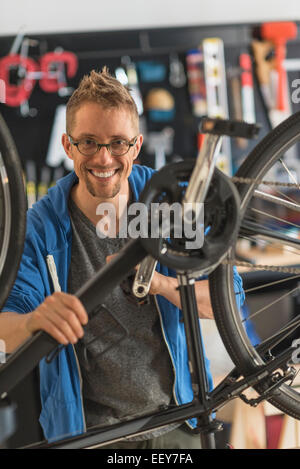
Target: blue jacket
x=49, y=232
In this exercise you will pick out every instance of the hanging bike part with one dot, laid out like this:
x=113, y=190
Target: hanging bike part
x=267, y=255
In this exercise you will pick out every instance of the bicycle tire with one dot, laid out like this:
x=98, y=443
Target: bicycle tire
x=12, y=211
x=228, y=319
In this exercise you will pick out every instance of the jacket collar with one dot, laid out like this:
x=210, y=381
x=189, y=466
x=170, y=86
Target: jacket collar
x=59, y=195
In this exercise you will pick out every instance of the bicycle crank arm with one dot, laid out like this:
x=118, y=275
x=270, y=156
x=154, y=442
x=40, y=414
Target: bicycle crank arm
x=143, y=277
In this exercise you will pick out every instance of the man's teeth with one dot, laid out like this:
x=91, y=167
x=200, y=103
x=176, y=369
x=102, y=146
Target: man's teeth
x=105, y=174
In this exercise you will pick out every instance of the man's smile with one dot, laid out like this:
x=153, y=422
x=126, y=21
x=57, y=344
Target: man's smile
x=104, y=174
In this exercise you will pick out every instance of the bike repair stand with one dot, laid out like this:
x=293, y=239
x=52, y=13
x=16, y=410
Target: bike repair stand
x=206, y=424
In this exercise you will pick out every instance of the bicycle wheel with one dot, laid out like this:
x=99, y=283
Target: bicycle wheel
x=12, y=212
x=271, y=229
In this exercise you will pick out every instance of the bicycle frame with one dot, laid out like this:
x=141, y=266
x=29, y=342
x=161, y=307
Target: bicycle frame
x=204, y=402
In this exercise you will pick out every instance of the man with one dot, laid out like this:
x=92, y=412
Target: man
x=102, y=376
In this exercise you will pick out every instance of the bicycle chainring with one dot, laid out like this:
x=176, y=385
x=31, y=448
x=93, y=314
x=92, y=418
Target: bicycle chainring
x=221, y=220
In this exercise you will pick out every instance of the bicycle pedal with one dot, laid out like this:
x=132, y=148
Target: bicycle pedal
x=230, y=128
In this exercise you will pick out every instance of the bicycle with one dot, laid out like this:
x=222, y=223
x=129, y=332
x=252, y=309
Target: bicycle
x=255, y=366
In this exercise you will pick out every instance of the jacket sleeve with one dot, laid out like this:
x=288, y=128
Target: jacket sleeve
x=28, y=290
x=238, y=288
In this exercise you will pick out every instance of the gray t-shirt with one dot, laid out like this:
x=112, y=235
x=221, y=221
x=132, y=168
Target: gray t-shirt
x=125, y=364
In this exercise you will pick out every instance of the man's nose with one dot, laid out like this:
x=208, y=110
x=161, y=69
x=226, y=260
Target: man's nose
x=103, y=156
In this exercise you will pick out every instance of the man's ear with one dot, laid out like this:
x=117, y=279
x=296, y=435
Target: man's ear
x=138, y=146
x=67, y=145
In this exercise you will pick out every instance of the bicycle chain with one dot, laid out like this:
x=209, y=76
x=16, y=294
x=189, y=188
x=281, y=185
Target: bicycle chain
x=265, y=182
x=272, y=268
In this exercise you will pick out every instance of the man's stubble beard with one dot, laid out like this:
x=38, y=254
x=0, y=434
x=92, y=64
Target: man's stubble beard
x=89, y=185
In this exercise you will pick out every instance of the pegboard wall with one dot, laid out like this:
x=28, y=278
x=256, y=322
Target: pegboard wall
x=96, y=49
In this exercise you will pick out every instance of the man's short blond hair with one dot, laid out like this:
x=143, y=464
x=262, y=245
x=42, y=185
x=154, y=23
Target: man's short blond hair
x=103, y=88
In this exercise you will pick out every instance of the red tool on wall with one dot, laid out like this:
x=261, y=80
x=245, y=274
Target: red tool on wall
x=53, y=65
x=247, y=93
x=16, y=94
x=19, y=72
x=279, y=34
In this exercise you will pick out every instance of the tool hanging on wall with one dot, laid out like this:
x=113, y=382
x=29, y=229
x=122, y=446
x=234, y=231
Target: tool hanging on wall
x=161, y=144
x=279, y=34
x=263, y=52
x=56, y=154
x=44, y=182
x=121, y=76
x=31, y=181
x=133, y=83
x=56, y=67
x=25, y=43
x=160, y=105
x=216, y=93
x=177, y=76
x=270, y=58
x=242, y=95
x=151, y=71
x=196, y=82
x=263, y=66
x=18, y=93
x=58, y=173
x=52, y=72
x=236, y=100
x=247, y=91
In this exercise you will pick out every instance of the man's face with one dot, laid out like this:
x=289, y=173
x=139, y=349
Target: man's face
x=102, y=175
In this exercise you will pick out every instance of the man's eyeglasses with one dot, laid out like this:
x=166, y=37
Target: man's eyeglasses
x=118, y=147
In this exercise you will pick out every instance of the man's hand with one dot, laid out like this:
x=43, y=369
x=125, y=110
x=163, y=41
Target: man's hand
x=168, y=287
x=61, y=315
x=156, y=279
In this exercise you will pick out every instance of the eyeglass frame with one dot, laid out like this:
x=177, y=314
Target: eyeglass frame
x=101, y=145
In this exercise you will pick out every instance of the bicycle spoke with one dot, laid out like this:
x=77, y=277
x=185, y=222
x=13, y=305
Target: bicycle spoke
x=291, y=176
x=260, y=212
x=253, y=315
x=271, y=284
x=287, y=197
x=279, y=336
x=257, y=231
x=277, y=200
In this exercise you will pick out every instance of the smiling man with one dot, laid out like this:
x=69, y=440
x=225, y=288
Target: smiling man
x=99, y=377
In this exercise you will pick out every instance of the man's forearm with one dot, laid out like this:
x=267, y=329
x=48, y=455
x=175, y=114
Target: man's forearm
x=167, y=287
x=13, y=330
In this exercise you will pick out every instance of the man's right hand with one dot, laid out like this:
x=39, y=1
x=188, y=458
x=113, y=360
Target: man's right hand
x=61, y=315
